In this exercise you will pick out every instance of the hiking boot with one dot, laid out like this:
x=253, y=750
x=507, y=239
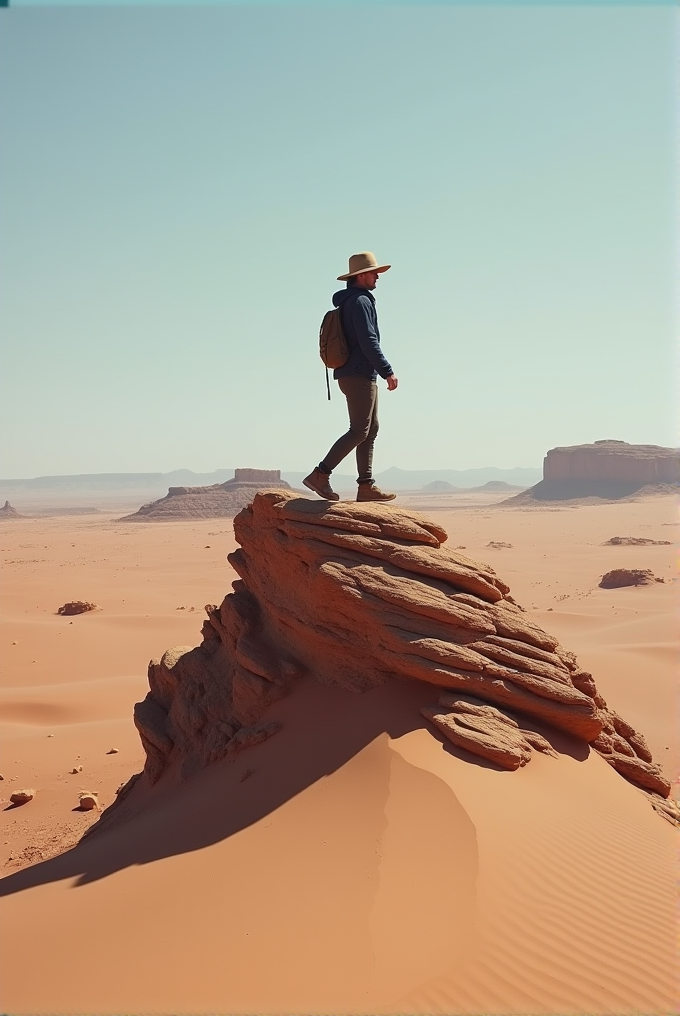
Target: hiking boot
x=369, y=492
x=318, y=482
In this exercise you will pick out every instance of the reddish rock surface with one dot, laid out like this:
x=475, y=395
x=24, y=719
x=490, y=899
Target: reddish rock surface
x=357, y=595
x=485, y=730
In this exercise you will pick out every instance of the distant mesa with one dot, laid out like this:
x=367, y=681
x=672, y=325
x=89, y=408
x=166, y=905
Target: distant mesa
x=604, y=471
x=7, y=512
x=218, y=501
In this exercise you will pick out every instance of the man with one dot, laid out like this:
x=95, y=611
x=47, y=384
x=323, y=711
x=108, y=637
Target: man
x=357, y=380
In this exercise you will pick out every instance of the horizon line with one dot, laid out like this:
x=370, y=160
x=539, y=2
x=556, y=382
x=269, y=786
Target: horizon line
x=204, y=472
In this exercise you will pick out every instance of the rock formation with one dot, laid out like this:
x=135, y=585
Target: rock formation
x=619, y=577
x=22, y=796
x=221, y=500
x=608, y=470
x=88, y=800
x=439, y=487
x=498, y=485
x=635, y=541
x=484, y=730
x=357, y=595
x=613, y=460
x=7, y=512
x=76, y=607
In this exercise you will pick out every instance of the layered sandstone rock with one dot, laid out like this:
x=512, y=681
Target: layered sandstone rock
x=220, y=500
x=357, y=595
x=484, y=730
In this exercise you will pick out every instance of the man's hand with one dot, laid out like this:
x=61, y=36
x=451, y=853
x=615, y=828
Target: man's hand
x=392, y=383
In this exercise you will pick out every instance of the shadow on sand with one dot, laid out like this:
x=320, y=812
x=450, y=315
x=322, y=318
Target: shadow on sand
x=322, y=728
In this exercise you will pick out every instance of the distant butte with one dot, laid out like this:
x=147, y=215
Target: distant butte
x=220, y=500
x=605, y=471
x=7, y=512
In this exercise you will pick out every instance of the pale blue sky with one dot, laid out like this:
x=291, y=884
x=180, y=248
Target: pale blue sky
x=181, y=186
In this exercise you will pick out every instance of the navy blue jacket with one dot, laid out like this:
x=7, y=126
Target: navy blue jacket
x=360, y=325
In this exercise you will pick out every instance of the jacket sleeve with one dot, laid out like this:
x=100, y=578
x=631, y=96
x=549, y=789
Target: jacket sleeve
x=367, y=336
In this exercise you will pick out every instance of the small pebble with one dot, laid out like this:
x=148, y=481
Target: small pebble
x=112, y=751
x=76, y=769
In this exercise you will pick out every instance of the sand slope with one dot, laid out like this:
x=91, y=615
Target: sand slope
x=361, y=866
x=373, y=871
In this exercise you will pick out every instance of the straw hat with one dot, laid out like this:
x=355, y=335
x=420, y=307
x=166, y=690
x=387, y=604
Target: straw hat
x=364, y=262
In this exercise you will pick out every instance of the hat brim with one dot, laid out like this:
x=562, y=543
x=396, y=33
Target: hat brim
x=351, y=275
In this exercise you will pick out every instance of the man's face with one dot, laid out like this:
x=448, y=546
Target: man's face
x=367, y=280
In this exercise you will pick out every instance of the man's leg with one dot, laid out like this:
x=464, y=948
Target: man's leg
x=365, y=449
x=360, y=393
x=367, y=490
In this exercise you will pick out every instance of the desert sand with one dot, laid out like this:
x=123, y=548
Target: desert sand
x=349, y=864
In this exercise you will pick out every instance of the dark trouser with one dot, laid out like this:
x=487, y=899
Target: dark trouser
x=362, y=405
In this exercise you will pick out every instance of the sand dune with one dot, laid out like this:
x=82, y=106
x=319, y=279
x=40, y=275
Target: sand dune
x=377, y=871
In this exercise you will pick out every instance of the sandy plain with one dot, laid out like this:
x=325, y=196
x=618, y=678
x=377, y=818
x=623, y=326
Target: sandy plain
x=358, y=867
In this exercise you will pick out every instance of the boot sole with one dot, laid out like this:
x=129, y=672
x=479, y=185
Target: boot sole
x=376, y=500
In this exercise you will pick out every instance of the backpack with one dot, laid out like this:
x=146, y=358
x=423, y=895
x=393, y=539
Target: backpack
x=333, y=348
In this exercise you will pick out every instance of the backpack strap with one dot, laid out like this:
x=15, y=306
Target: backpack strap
x=328, y=385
